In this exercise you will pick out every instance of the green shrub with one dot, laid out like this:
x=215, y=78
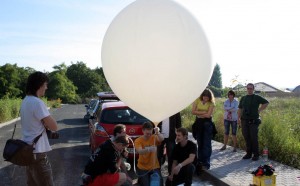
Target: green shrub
x=9, y=109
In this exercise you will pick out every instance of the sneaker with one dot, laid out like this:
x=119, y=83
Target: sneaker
x=223, y=148
x=247, y=156
x=255, y=158
x=234, y=150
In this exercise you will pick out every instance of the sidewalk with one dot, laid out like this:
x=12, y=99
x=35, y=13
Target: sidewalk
x=230, y=168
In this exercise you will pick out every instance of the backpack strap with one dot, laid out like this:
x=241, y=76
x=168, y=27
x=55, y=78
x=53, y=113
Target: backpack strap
x=37, y=138
x=34, y=140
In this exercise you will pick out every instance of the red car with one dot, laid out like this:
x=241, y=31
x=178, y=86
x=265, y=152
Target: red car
x=109, y=113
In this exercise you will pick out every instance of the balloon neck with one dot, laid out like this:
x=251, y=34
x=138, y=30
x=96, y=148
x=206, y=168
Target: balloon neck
x=156, y=123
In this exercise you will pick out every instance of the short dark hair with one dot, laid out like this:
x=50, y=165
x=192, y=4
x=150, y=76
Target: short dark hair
x=251, y=84
x=122, y=139
x=118, y=129
x=183, y=131
x=148, y=125
x=35, y=81
x=231, y=92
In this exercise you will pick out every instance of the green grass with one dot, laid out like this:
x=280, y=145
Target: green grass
x=279, y=130
x=9, y=108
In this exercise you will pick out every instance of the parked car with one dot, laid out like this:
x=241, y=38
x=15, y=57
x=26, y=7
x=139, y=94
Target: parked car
x=110, y=113
x=94, y=104
x=90, y=108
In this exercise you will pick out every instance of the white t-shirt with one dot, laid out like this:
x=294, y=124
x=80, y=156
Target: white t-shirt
x=165, y=127
x=33, y=110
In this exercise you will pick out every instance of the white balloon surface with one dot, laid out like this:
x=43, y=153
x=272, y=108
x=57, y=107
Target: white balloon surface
x=156, y=58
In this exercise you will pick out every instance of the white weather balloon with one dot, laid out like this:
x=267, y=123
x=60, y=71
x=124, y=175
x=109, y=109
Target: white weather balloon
x=156, y=58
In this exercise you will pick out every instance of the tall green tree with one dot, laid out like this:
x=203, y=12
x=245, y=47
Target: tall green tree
x=104, y=84
x=12, y=81
x=216, y=78
x=87, y=80
x=60, y=86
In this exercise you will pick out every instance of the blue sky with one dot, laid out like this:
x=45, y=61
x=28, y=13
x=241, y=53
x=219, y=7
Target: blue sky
x=251, y=40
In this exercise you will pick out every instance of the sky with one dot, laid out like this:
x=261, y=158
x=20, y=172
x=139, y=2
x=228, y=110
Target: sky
x=251, y=40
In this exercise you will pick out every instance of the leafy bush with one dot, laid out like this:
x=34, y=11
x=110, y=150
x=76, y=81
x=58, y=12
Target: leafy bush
x=9, y=109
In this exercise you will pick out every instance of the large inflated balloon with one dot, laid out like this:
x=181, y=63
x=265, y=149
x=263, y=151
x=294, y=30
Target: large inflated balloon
x=156, y=58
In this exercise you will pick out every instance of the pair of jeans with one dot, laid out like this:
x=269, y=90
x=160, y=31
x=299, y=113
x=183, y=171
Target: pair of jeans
x=145, y=175
x=227, y=125
x=185, y=176
x=204, y=137
x=170, y=144
x=40, y=172
x=250, y=133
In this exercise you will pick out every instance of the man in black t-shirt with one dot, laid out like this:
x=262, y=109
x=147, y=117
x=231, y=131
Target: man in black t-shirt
x=183, y=156
x=104, y=164
x=250, y=106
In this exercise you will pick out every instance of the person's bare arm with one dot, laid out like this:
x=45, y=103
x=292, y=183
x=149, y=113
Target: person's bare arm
x=263, y=107
x=50, y=123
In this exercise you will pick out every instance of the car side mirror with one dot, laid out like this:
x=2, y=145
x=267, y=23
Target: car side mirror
x=86, y=106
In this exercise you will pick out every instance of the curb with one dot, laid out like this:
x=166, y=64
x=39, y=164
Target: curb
x=9, y=122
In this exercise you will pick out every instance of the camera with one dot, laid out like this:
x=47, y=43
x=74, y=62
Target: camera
x=52, y=135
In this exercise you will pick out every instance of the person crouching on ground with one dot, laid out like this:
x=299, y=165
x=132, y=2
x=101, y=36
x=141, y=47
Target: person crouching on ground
x=103, y=166
x=184, y=155
x=146, y=147
x=120, y=130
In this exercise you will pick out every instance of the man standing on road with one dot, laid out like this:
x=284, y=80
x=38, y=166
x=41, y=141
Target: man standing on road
x=250, y=107
x=168, y=129
x=35, y=117
x=183, y=156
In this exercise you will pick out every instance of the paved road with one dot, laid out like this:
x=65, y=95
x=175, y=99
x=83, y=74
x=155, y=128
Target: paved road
x=69, y=153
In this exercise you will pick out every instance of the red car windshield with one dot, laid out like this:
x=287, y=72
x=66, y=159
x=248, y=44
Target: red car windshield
x=122, y=115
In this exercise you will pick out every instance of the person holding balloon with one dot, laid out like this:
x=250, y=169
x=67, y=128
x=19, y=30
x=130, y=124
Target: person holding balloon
x=168, y=129
x=146, y=147
x=203, y=108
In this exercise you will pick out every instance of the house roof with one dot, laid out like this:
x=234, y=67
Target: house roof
x=297, y=89
x=264, y=87
x=260, y=87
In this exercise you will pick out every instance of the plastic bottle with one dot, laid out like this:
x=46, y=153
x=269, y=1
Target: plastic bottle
x=265, y=154
x=154, y=180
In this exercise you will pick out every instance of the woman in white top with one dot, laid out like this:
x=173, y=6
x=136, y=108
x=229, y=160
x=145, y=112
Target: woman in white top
x=230, y=119
x=35, y=117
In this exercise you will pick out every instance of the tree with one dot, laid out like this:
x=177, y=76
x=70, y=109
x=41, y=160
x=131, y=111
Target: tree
x=12, y=81
x=60, y=86
x=105, y=86
x=88, y=81
x=216, y=78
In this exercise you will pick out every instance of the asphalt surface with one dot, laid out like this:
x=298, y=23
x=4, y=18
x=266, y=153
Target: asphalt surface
x=70, y=152
x=69, y=155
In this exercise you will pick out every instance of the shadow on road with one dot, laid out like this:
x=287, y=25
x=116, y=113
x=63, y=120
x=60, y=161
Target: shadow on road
x=67, y=165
